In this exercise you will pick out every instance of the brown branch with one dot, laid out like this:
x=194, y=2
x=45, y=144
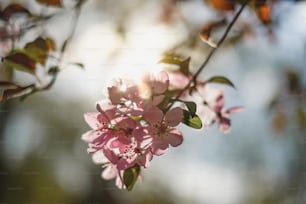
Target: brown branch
x=213, y=50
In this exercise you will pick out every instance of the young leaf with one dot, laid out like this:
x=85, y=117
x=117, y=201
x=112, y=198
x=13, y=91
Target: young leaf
x=16, y=92
x=56, y=3
x=9, y=72
x=8, y=84
x=50, y=44
x=174, y=60
x=38, y=50
x=208, y=28
x=264, y=14
x=220, y=80
x=223, y=5
x=191, y=121
x=130, y=176
x=184, y=66
x=171, y=60
x=20, y=61
x=192, y=107
x=13, y=9
x=53, y=70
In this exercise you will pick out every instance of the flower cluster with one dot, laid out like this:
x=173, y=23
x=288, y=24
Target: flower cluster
x=138, y=121
x=130, y=127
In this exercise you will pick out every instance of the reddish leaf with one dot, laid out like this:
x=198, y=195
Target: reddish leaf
x=21, y=61
x=56, y=3
x=279, y=121
x=208, y=28
x=39, y=43
x=16, y=92
x=13, y=9
x=50, y=44
x=264, y=13
x=8, y=84
x=38, y=50
x=223, y=5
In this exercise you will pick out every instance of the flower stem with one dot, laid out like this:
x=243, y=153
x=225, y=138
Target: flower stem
x=213, y=50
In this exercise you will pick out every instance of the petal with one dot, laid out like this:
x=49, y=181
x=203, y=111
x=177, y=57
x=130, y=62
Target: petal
x=99, y=158
x=115, y=95
x=219, y=103
x=90, y=136
x=175, y=138
x=208, y=116
x=235, y=109
x=224, y=124
x=109, y=172
x=160, y=82
x=174, y=116
x=110, y=155
x=178, y=80
x=153, y=115
x=92, y=120
x=157, y=100
x=126, y=123
x=145, y=159
x=124, y=164
x=159, y=147
x=119, y=182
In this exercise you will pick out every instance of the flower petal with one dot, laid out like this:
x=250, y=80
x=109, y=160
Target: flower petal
x=174, y=116
x=99, y=158
x=159, y=147
x=235, y=109
x=224, y=124
x=175, y=138
x=92, y=120
x=153, y=115
x=90, y=136
x=110, y=172
x=145, y=159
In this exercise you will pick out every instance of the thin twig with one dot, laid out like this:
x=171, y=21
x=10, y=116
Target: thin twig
x=62, y=51
x=213, y=50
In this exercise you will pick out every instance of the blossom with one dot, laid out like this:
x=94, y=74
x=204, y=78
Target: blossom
x=162, y=129
x=213, y=109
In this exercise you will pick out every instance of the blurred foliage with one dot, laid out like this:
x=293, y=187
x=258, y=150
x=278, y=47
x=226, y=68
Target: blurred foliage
x=34, y=180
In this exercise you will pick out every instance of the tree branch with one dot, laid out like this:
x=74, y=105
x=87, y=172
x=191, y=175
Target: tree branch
x=213, y=50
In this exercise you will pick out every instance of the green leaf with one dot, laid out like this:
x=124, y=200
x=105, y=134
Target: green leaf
x=191, y=121
x=130, y=176
x=301, y=117
x=221, y=80
x=184, y=66
x=20, y=61
x=9, y=72
x=171, y=60
x=174, y=60
x=192, y=107
x=53, y=70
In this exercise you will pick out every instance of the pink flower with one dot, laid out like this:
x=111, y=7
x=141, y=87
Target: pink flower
x=111, y=171
x=178, y=80
x=159, y=83
x=129, y=146
x=100, y=133
x=162, y=129
x=213, y=109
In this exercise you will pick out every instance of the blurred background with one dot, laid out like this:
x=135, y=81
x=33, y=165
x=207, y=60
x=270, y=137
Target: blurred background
x=261, y=161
